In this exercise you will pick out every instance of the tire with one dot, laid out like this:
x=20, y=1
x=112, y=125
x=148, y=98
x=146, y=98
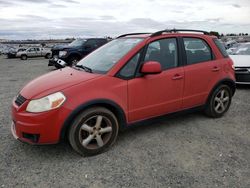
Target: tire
x=47, y=56
x=219, y=101
x=93, y=131
x=24, y=57
x=73, y=61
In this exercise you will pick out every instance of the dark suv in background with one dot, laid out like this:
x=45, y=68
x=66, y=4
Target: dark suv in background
x=75, y=51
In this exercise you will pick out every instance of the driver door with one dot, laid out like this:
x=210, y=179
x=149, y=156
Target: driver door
x=32, y=52
x=157, y=94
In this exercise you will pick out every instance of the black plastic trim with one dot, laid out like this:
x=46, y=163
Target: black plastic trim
x=178, y=30
x=164, y=117
x=128, y=34
x=116, y=109
x=227, y=81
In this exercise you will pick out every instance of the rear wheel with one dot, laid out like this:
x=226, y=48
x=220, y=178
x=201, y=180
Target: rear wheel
x=219, y=102
x=24, y=57
x=93, y=131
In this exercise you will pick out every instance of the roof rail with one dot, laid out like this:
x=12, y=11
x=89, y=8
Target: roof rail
x=131, y=34
x=178, y=30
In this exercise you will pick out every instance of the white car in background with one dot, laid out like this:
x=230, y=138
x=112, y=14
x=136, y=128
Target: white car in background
x=34, y=52
x=234, y=48
x=241, y=59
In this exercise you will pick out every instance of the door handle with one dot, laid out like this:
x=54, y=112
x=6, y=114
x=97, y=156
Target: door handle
x=177, y=77
x=215, y=69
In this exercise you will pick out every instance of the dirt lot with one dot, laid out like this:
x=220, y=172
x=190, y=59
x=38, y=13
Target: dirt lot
x=185, y=151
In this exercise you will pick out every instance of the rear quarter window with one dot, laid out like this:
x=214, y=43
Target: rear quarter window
x=221, y=47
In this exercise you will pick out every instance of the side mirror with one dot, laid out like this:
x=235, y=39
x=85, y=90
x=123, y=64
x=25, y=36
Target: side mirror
x=151, y=67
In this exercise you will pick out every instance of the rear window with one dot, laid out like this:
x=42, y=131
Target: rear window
x=221, y=47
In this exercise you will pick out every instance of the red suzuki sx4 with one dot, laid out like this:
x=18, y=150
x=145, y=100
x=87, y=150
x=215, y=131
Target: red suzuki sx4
x=133, y=78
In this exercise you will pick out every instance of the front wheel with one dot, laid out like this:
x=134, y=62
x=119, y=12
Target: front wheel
x=219, y=102
x=47, y=56
x=93, y=131
x=73, y=61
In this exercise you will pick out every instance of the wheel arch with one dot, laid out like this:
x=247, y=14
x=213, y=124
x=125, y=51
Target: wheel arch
x=110, y=105
x=226, y=81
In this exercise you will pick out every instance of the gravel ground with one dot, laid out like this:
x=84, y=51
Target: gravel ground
x=185, y=151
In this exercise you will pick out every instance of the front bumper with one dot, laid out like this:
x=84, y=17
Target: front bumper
x=242, y=75
x=35, y=128
x=52, y=61
x=58, y=63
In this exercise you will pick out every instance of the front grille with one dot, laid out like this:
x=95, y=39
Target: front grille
x=20, y=100
x=55, y=53
x=242, y=70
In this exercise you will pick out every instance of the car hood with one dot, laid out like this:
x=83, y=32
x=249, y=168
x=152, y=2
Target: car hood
x=54, y=82
x=60, y=48
x=241, y=60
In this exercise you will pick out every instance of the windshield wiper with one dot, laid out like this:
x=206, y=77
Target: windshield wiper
x=87, y=69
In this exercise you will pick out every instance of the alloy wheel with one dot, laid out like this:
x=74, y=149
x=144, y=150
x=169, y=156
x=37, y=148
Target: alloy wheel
x=95, y=132
x=221, y=101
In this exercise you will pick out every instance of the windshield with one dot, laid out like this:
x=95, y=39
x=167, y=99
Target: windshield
x=243, y=50
x=77, y=42
x=104, y=58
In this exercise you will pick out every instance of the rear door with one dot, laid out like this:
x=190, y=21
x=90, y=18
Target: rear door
x=201, y=71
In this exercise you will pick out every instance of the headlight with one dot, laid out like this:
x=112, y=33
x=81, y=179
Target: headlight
x=62, y=53
x=49, y=102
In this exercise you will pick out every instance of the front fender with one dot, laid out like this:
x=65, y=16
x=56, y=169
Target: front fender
x=111, y=105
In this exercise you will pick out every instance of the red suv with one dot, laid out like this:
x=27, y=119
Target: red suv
x=133, y=78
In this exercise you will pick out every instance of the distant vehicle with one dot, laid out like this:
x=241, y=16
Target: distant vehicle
x=234, y=48
x=12, y=53
x=241, y=59
x=34, y=52
x=230, y=44
x=75, y=51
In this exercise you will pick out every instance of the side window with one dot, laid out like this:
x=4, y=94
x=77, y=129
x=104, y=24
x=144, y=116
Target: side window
x=92, y=43
x=163, y=51
x=197, y=50
x=129, y=69
x=101, y=42
x=32, y=50
x=221, y=47
x=38, y=49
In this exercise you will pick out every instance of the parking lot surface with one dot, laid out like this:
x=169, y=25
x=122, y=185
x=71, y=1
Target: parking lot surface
x=188, y=150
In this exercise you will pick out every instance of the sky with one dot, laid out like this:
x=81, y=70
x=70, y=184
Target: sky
x=47, y=19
